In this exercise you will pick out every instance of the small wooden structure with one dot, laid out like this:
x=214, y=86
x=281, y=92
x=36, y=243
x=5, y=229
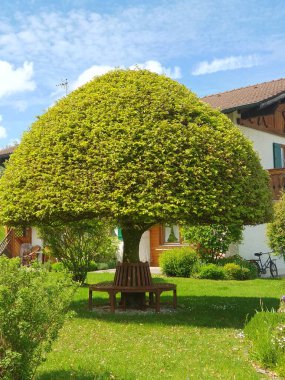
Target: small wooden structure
x=132, y=278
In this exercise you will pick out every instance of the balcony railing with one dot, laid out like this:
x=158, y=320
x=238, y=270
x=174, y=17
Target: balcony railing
x=277, y=182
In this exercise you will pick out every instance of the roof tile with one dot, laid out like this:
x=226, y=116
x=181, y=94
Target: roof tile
x=246, y=95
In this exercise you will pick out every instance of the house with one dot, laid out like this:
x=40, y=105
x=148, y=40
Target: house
x=259, y=112
x=15, y=237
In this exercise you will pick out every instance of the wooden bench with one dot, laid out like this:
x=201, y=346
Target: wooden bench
x=133, y=278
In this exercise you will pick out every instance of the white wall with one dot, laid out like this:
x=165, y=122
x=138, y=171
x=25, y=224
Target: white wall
x=254, y=237
x=254, y=240
x=36, y=240
x=144, y=249
x=263, y=144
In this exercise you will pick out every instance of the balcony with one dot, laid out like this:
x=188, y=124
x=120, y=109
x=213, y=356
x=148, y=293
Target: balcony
x=277, y=182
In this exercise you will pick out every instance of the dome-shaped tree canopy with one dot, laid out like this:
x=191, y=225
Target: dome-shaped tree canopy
x=140, y=149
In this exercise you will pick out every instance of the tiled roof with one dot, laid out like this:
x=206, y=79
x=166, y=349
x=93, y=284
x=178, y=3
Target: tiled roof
x=246, y=96
x=7, y=151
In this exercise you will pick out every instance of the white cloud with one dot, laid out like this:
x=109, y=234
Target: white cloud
x=90, y=73
x=228, y=63
x=156, y=67
x=14, y=80
x=153, y=66
x=3, y=132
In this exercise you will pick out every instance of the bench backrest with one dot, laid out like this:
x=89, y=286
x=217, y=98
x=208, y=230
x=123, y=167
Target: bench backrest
x=133, y=274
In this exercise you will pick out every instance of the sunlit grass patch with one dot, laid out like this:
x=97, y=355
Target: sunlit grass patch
x=201, y=340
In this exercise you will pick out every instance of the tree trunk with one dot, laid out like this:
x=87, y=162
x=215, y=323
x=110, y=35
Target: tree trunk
x=132, y=237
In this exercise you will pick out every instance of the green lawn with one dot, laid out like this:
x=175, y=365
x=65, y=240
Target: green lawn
x=199, y=341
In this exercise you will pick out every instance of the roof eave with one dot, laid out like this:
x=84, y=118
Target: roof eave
x=261, y=104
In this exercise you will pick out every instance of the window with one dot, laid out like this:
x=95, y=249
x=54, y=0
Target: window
x=278, y=155
x=170, y=234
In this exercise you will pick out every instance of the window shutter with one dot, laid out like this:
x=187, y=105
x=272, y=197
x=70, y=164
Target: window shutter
x=120, y=236
x=277, y=155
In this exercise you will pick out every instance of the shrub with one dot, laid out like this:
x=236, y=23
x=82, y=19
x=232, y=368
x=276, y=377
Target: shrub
x=79, y=244
x=275, y=230
x=58, y=267
x=236, y=259
x=93, y=266
x=102, y=266
x=178, y=262
x=33, y=305
x=236, y=272
x=266, y=331
x=211, y=271
x=213, y=240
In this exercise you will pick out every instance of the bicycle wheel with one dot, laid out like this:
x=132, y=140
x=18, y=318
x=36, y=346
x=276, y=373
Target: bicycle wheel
x=273, y=269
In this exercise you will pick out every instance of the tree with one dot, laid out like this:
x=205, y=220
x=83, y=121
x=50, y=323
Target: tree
x=213, y=240
x=276, y=229
x=137, y=148
x=77, y=244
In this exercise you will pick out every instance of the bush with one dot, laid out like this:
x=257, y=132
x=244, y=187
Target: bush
x=211, y=271
x=275, y=230
x=78, y=245
x=33, y=305
x=266, y=331
x=102, y=266
x=212, y=241
x=236, y=259
x=58, y=267
x=178, y=262
x=236, y=272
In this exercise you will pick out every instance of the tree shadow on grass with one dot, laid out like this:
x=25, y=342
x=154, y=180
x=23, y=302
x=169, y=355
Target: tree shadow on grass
x=72, y=375
x=200, y=311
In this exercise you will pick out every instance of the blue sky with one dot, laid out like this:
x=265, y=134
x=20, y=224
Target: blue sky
x=208, y=45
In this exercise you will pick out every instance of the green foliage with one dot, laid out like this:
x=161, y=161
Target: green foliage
x=58, y=267
x=33, y=304
x=266, y=331
x=2, y=233
x=2, y=169
x=276, y=229
x=237, y=259
x=236, y=272
x=212, y=241
x=229, y=268
x=78, y=244
x=140, y=149
x=211, y=272
x=178, y=262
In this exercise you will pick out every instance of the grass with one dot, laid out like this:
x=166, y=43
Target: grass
x=199, y=341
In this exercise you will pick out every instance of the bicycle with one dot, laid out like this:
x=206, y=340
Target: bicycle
x=262, y=267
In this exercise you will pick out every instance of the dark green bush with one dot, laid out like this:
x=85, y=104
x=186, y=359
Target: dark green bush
x=211, y=271
x=237, y=259
x=102, y=266
x=178, y=262
x=93, y=266
x=33, y=305
x=266, y=332
x=236, y=272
